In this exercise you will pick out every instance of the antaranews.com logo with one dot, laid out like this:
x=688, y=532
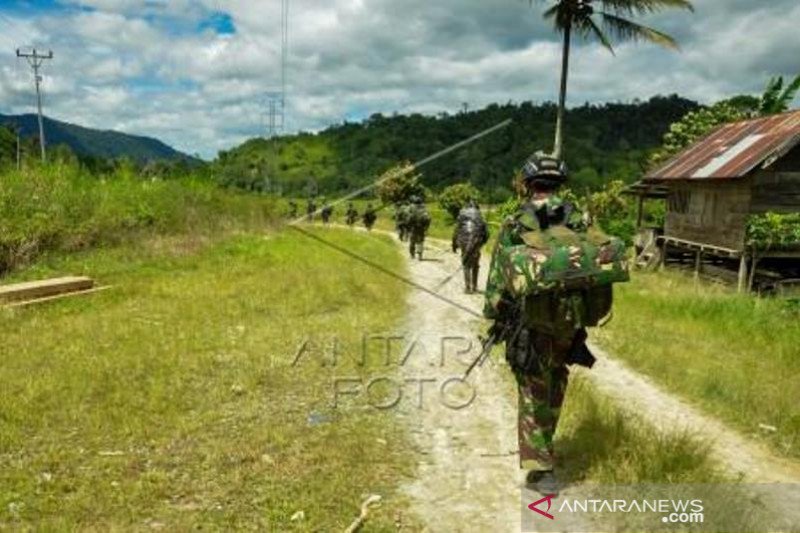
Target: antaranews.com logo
x=671, y=511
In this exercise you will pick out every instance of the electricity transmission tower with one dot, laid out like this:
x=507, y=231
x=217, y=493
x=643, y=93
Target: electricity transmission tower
x=276, y=100
x=35, y=60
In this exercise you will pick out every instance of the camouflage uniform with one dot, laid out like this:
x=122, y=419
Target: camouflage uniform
x=418, y=223
x=292, y=209
x=542, y=319
x=470, y=235
x=311, y=208
x=369, y=217
x=326, y=213
x=401, y=217
x=352, y=215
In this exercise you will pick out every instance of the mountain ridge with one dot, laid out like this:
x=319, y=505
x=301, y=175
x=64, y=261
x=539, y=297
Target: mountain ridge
x=91, y=142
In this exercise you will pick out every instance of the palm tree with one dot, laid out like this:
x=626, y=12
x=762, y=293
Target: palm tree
x=612, y=18
x=777, y=98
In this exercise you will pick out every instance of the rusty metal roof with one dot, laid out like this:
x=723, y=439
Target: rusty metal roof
x=733, y=150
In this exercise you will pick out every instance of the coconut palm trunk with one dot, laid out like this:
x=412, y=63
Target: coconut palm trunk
x=558, y=143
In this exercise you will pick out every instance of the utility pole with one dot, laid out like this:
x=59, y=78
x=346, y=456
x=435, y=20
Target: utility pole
x=35, y=60
x=19, y=164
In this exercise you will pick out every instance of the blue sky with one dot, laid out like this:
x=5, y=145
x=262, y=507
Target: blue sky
x=195, y=73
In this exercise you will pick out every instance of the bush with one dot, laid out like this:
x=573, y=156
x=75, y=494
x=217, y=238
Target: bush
x=60, y=208
x=399, y=184
x=773, y=229
x=454, y=197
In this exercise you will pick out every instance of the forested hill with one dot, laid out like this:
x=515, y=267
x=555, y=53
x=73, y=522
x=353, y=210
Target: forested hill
x=89, y=142
x=602, y=142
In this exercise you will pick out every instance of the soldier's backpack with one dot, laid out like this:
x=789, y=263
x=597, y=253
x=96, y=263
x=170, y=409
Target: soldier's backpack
x=563, y=277
x=418, y=218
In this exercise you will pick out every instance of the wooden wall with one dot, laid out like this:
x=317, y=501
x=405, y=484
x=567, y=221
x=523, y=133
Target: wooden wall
x=776, y=191
x=709, y=212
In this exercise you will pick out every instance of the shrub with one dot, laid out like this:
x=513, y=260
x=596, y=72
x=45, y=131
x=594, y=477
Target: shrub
x=772, y=229
x=454, y=197
x=60, y=208
x=399, y=184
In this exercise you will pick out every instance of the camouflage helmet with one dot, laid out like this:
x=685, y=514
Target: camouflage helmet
x=415, y=199
x=544, y=169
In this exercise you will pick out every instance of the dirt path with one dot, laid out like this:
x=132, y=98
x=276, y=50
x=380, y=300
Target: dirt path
x=468, y=476
x=640, y=396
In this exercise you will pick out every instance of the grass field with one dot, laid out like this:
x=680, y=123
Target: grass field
x=609, y=450
x=171, y=402
x=61, y=209
x=737, y=356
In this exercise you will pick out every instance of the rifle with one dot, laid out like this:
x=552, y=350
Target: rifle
x=497, y=333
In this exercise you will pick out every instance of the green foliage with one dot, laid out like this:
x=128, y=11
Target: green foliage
x=612, y=211
x=399, y=184
x=773, y=230
x=610, y=141
x=60, y=207
x=714, y=347
x=454, y=197
x=777, y=98
x=694, y=126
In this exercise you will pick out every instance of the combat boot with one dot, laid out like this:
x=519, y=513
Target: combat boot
x=474, y=273
x=542, y=481
x=467, y=281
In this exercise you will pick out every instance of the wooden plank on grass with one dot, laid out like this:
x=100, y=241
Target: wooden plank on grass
x=34, y=290
x=25, y=303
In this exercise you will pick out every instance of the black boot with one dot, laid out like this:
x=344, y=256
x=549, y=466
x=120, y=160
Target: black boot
x=542, y=481
x=467, y=281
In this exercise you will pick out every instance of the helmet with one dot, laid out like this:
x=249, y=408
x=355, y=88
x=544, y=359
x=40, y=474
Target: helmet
x=415, y=199
x=544, y=169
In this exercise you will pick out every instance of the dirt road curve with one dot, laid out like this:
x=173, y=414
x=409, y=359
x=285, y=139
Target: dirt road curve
x=468, y=476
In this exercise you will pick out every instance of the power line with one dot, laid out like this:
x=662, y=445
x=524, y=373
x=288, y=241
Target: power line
x=35, y=60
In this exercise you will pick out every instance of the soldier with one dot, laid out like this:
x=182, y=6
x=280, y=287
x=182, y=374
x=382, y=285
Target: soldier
x=369, y=217
x=418, y=223
x=292, y=209
x=401, y=215
x=326, y=213
x=311, y=208
x=470, y=234
x=549, y=280
x=351, y=215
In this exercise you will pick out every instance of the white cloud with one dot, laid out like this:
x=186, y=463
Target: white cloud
x=143, y=66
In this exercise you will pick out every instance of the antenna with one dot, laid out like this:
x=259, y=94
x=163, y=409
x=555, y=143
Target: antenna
x=35, y=60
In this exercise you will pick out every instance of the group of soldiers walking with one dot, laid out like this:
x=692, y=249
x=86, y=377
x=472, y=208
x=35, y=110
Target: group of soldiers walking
x=326, y=213
x=550, y=279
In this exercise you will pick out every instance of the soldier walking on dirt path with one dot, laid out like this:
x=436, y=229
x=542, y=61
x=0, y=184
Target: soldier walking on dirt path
x=370, y=216
x=311, y=208
x=549, y=280
x=326, y=213
x=351, y=215
x=401, y=215
x=470, y=234
x=418, y=223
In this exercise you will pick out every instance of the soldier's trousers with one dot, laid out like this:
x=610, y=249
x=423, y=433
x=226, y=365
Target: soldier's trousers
x=415, y=244
x=471, y=261
x=542, y=385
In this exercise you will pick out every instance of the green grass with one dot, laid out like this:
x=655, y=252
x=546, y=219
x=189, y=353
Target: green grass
x=60, y=208
x=170, y=401
x=737, y=356
x=614, y=455
x=599, y=443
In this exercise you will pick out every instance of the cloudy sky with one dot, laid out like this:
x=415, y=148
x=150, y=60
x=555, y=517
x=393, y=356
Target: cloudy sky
x=195, y=73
